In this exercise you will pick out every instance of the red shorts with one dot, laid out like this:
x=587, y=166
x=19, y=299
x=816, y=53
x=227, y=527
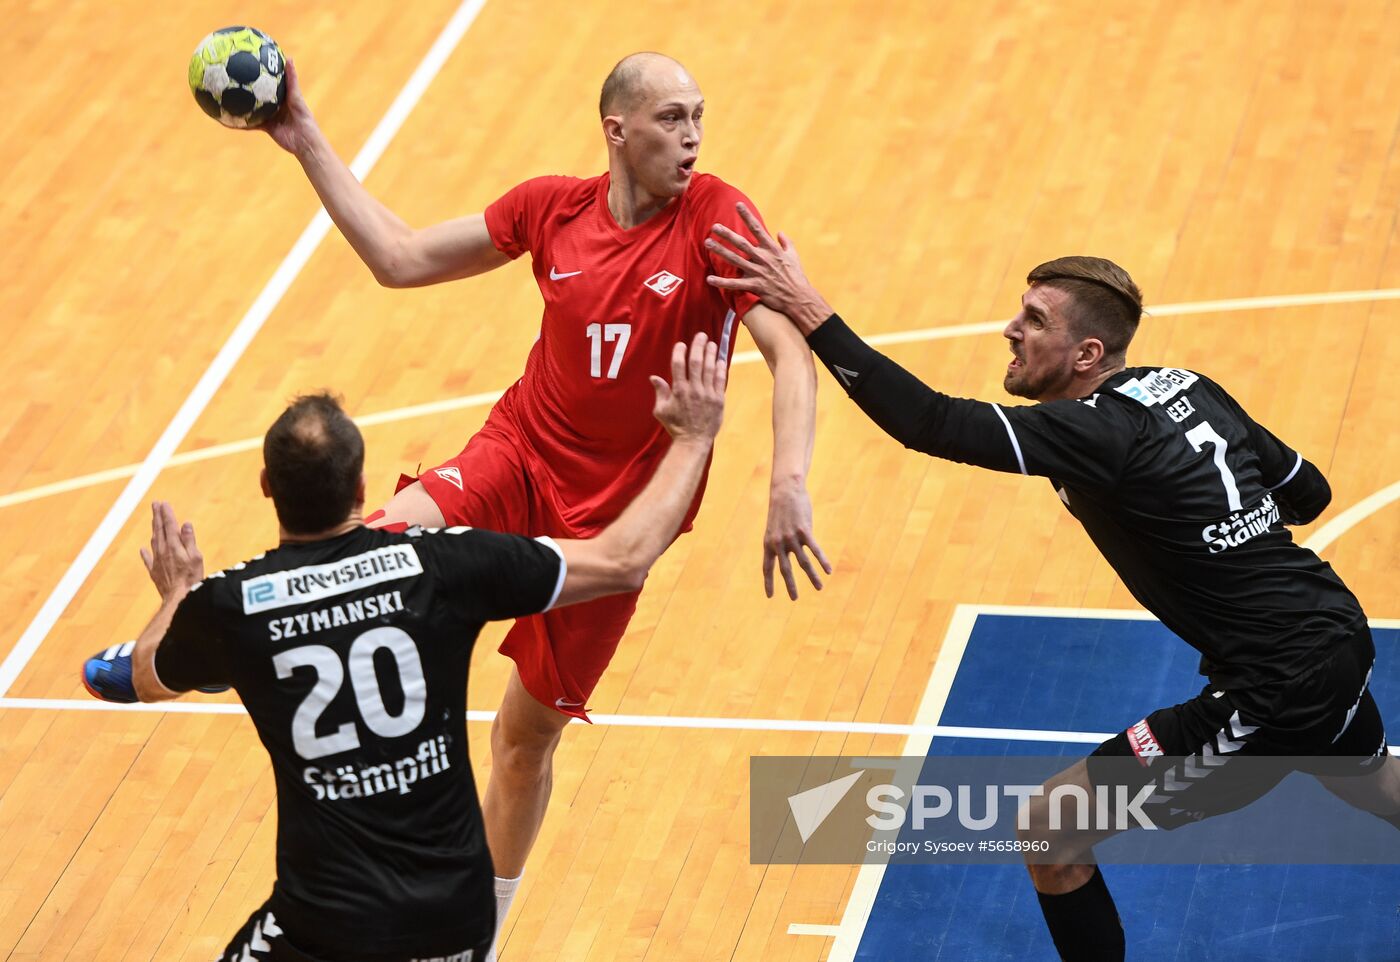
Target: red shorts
x=561, y=653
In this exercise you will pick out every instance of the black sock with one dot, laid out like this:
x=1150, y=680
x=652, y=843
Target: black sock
x=1084, y=923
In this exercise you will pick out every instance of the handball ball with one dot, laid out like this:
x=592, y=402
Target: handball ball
x=238, y=76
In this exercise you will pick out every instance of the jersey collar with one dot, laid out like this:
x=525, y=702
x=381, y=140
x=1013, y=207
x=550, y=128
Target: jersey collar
x=628, y=235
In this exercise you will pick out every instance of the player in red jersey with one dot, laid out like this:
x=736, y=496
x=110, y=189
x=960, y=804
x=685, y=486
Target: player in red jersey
x=621, y=263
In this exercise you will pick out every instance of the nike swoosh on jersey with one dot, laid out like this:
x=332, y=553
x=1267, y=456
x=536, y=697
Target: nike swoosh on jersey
x=554, y=274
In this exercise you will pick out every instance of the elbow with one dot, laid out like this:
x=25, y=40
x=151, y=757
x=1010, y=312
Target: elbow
x=599, y=567
x=630, y=577
x=1304, y=498
x=628, y=570
x=624, y=568
x=390, y=273
x=1324, y=495
x=1314, y=509
x=1310, y=510
x=393, y=265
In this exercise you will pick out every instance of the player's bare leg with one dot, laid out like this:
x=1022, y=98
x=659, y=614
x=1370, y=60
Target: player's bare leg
x=523, y=738
x=1078, y=908
x=412, y=505
x=1377, y=793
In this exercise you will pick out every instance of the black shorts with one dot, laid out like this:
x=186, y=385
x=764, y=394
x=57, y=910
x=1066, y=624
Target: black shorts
x=264, y=939
x=1324, y=722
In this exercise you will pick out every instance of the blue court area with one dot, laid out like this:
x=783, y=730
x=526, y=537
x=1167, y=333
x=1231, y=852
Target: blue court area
x=1097, y=675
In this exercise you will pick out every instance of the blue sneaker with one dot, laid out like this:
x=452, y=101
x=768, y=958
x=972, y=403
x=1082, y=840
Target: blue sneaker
x=107, y=675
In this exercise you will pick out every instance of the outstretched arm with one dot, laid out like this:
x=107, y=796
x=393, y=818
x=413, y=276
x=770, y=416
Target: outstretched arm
x=398, y=255
x=903, y=406
x=900, y=403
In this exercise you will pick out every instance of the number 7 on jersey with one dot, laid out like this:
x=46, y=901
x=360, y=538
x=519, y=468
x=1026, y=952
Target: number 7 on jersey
x=611, y=333
x=1203, y=434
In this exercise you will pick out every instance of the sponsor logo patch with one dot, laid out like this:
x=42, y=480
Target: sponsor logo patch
x=1158, y=386
x=282, y=589
x=1144, y=743
x=1241, y=526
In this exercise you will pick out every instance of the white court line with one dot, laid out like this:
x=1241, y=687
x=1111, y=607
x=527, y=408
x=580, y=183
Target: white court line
x=621, y=721
x=940, y=685
x=228, y=355
x=1323, y=537
x=238, y=447
x=1278, y=300
x=746, y=357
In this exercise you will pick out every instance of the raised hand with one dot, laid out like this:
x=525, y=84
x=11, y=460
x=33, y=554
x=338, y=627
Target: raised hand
x=173, y=560
x=771, y=269
x=291, y=126
x=691, y=407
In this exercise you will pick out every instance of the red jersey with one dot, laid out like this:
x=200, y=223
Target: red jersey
x=615, y=303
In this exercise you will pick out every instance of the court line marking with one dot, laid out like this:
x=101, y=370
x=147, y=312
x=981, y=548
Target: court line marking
x=925, y=725
x=745, y=357
x=213, y=378
x=239, y=447
x=866, y=887
x=622, y=721
x=1323, y=537
x=925, y=721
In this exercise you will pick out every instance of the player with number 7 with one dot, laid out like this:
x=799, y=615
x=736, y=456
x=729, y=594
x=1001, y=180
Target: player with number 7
x=1189, y=499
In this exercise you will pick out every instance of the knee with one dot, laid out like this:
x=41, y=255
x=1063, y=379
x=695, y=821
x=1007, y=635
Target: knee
x=1063, y=844
x=1033, y=820
x=518, y=750
x=1049, y=878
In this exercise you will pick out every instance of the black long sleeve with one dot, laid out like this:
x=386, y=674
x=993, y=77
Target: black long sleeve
x=1304, y=496
x=1062, y=439
x=1299, y=488
x=906, y=408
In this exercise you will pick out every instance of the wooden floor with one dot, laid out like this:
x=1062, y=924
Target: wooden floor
x=923, y=155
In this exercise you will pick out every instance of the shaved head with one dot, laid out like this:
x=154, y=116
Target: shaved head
x=634, y=76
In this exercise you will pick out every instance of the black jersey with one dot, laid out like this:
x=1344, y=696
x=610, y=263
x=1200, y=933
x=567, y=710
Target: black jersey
x=351, y=655
x=1186, y=496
